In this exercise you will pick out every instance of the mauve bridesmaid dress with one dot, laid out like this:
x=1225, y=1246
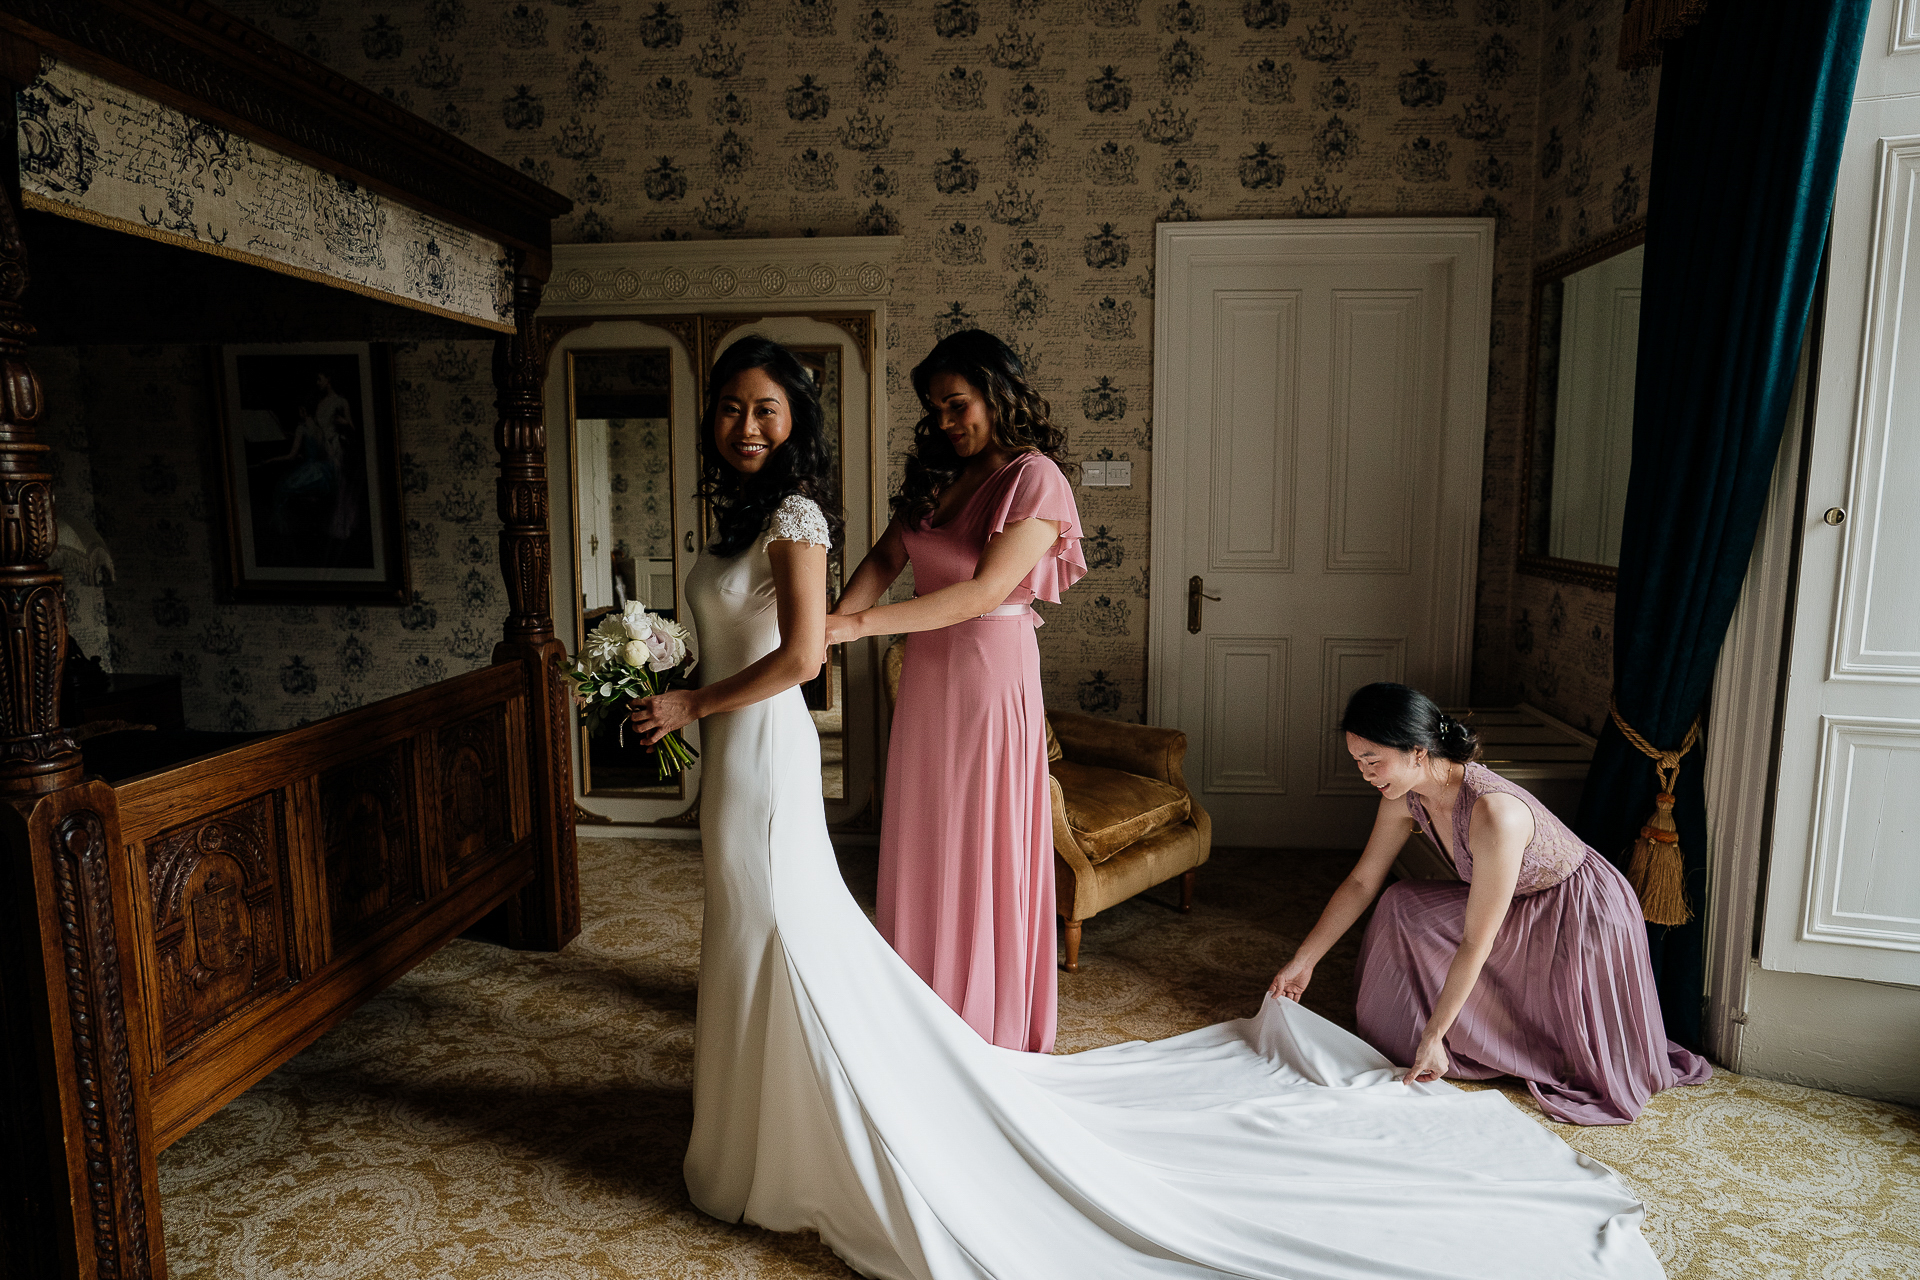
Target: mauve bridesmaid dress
x=966, y=847
x=1566, y=1001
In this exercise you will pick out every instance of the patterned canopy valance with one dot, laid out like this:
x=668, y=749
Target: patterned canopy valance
x=93, y=150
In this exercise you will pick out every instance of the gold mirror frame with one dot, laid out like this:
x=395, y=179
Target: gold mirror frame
x=1533, y=476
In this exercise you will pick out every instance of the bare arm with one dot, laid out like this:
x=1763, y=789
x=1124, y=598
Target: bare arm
x=1010, y=556
x=876, y=573
x=800, y=604
x=1392, y=824
x=1498, y=833
x=293, y=448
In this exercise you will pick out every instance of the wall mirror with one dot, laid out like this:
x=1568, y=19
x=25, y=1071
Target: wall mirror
x=1579, y=440
x=622, y=425
x=625, y=381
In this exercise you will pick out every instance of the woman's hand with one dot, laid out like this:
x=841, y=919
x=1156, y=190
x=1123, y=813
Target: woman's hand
x=843, y=627
x=1291, y=982
x=656, y=717
x=1429, y=1061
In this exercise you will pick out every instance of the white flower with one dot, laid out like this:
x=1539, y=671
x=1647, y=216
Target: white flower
x=676, y=641
x=635, y=653
x=605, y=641
x=667, y=643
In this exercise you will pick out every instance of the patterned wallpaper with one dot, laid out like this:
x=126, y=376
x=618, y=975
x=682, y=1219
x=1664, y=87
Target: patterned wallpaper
x=639, y=456
x=1595, y=146
x=145, y=414
x=1025, y=148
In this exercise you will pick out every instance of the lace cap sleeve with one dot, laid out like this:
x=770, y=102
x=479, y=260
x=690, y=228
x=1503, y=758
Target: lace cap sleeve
x=798, y=519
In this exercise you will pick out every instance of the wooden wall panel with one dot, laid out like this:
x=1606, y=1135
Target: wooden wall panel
x=476, y=819
x=222, y=917
x=288, y=879
x=370, y=845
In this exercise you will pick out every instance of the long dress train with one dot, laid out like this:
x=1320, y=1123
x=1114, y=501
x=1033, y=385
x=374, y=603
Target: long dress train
x=834, y=1091
x=1566, y=1000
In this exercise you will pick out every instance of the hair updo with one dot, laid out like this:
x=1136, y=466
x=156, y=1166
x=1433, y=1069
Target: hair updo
x=1407, y=720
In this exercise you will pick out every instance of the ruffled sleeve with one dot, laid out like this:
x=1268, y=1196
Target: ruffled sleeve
x=798, y=519
x=1038, y=490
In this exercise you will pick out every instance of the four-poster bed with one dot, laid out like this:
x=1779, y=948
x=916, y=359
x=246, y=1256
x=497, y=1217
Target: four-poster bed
x=172, y=937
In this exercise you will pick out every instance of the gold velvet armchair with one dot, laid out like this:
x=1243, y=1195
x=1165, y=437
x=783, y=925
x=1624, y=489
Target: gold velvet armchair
x=1123, y=820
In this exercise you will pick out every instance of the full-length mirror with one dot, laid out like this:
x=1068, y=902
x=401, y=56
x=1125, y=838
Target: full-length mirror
x=625, y=386
x=623, y=527
x=1580, y=437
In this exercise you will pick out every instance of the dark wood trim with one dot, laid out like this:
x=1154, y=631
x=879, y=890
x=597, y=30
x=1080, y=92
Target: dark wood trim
x=36, y=754
x=550, y=908
x=209, y=63
x=95, y=1100
x=1600, y=576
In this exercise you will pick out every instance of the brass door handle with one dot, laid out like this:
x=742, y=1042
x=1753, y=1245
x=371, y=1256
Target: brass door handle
x=1196, y=592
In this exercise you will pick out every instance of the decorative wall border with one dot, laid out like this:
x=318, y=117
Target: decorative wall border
x=95, y=150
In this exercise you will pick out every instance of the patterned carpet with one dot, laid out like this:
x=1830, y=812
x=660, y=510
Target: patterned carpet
x=523, y=1116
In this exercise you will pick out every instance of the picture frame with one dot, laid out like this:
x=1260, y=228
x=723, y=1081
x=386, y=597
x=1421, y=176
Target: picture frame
x=310, y=467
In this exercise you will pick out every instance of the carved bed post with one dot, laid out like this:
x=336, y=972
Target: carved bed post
x=549, y=914
x=75, y=1132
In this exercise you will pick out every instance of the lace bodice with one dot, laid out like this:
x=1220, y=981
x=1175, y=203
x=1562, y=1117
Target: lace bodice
x=1551, y=856
x=797, y=519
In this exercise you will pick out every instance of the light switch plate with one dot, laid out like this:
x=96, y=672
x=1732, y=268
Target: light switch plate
x=1093, y=475
x=1119, y=475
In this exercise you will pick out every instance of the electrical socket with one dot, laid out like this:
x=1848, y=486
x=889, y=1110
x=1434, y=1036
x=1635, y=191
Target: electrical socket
x=1119, y=475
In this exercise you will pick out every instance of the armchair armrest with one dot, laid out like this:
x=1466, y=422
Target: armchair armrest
x=1144, y=749
x=1063, y=842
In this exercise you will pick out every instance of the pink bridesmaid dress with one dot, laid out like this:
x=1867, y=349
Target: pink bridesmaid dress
x=966, y=847
x=1566, y=1000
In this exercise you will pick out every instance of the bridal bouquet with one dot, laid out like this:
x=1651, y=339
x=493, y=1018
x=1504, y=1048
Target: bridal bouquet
x=634, y=654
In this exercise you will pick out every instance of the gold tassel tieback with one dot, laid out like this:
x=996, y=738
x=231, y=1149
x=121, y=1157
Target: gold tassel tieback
x=1655, y=869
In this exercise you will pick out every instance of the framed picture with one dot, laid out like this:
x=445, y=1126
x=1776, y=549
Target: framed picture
x=312, y=477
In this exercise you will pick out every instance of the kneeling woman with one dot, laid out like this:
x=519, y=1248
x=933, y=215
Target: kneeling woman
x=1536, y=967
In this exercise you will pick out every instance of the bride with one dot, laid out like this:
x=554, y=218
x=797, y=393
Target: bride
x=834, y=1091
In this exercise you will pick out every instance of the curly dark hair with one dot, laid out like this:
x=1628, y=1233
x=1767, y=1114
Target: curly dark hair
x=1020, y=416
x=742, y=503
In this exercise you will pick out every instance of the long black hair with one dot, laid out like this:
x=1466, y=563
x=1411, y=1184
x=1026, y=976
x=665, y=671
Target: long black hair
x=1021, y=421
x=1405, y=719
x=743, y=503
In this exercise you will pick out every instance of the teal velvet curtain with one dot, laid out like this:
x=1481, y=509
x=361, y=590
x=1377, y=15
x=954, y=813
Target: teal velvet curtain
x=1753, y=110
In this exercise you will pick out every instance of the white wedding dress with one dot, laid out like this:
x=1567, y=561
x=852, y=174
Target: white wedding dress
x=834, y=1091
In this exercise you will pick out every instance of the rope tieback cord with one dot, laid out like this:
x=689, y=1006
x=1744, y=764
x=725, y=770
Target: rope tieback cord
x=1656, y=869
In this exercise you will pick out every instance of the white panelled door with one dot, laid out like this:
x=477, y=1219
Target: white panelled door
x=1843, y=886
x=1320, y=395
x=595, y=514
